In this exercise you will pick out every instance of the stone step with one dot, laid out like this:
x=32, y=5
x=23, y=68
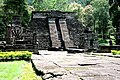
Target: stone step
x=56, y=43
x=54, y=34
x=69, y=44
x=65, y=34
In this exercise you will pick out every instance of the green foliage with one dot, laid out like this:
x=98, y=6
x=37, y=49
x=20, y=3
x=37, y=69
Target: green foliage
x=103, y=42
x=87, y=16
x=114, y=12
x=2, y=28
x=93, y=14
x=50, y=5
x=101, y=16
x=115, y=52
x=15, y=8
x=75, y=7
x=83, y=2
x=16, y=55
x=1, y=5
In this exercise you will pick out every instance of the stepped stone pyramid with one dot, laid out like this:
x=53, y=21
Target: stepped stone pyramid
x=56, y=29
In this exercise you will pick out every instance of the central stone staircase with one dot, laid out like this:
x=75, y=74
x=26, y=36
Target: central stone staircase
x=54, y=33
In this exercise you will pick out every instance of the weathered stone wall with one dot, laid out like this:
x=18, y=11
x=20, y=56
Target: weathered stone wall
x=76, y=30
x=40, y=27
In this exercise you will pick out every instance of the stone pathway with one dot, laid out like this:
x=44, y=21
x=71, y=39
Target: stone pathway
x=67, y=66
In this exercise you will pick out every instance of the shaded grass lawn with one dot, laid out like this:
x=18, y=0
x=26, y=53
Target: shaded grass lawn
x=17, y=70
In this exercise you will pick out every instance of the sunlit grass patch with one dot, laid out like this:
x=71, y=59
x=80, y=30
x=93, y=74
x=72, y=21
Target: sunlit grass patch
x=17, y=70
x=10, y=70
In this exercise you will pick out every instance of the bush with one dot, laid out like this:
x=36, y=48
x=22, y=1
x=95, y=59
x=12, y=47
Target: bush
x=16, y=55
x=115, y=52
x=103, y=44
x=102, y=41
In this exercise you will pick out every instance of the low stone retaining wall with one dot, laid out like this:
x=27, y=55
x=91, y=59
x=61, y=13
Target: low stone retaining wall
x=108, y=48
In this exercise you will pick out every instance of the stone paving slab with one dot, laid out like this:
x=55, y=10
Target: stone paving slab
x=36, y=57
x=45, y=66
x=99, y=78
x=65, y=66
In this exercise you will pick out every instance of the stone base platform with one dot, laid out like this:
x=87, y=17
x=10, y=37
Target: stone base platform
x=59, y=65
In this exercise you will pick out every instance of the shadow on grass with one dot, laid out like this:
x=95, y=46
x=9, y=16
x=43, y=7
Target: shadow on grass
x=9, y=60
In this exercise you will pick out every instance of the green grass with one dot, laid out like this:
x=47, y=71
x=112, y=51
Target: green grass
x=17, y=70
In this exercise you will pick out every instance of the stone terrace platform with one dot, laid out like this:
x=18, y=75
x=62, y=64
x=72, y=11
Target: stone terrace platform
x=67, y=66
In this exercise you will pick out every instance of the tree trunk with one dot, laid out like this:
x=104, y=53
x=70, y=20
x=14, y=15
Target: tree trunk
x=94, y=26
